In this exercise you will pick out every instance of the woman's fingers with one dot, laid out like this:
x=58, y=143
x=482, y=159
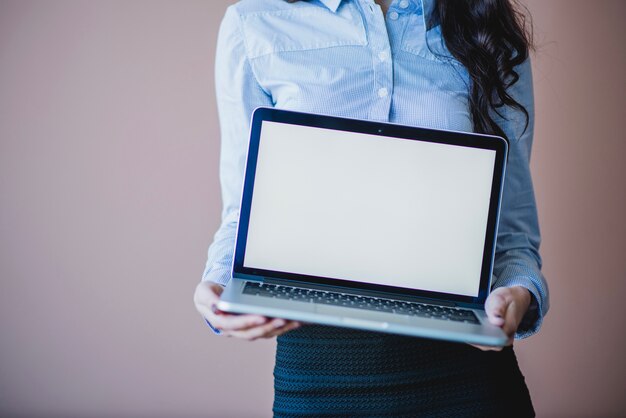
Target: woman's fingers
x=497, y=310
x=496, y=306
x=250, y=327
x=287, y=327
x=487, y=347
x=228, y=322
x=206, y=297
x=262, y=331
x=512, y=319
x=207, y=294
x=505, y=308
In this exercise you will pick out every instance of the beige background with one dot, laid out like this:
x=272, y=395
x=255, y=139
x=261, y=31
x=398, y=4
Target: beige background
x=109, y=197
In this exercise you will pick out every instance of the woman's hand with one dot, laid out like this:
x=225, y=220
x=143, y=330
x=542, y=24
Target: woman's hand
x=506, y=307
x=248, y=327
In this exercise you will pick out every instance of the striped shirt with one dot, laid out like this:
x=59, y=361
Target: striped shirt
x=345, y=58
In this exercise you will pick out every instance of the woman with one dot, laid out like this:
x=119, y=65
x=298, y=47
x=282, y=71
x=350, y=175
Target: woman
x=457, y=65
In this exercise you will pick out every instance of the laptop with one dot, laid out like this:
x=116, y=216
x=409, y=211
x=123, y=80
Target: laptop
x=368, y=225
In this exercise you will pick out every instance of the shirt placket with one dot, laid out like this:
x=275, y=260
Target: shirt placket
x=382, y=63
x=380, y=32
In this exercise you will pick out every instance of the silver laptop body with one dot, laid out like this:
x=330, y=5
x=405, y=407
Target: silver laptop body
x=368, y=225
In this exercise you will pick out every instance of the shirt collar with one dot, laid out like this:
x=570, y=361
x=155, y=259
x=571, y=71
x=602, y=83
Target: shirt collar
x=333, y=5
x=428, y=6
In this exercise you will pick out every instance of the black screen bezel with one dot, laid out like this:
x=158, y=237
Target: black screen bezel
x=472, y=140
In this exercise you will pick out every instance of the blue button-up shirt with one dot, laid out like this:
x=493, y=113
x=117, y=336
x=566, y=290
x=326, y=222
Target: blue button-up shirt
x=345, y=58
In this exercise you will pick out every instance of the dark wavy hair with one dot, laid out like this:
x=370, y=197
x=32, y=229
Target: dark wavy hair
x=489, y=38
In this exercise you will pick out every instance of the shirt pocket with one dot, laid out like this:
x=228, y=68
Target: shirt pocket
x=427, y=44
x=302, y=28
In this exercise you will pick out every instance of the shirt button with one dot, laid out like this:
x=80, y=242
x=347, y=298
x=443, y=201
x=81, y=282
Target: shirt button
x=393, y=15
x=404, y=4
x=382, y=92
x=382, y=55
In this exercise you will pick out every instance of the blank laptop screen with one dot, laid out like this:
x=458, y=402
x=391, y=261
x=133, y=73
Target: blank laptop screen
x=369, y=208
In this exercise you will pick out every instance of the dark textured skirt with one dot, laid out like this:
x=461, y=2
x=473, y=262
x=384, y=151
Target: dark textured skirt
x=327, y=372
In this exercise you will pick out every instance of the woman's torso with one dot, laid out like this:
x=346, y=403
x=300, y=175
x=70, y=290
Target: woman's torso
x=345, y=58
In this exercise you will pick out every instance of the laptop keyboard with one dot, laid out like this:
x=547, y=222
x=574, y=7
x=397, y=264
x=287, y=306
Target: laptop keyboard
x=360, y=302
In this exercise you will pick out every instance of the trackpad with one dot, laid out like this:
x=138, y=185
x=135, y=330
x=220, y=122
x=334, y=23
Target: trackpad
x=361, y=314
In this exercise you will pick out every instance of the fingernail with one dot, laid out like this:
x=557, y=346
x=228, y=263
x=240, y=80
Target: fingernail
x=259, y=321
x=279, y=323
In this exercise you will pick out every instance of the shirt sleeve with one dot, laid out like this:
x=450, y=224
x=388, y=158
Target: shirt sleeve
x=238, y=94
x=517, y=259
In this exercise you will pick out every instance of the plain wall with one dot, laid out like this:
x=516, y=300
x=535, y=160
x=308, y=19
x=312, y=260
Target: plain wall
x=109, y=196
